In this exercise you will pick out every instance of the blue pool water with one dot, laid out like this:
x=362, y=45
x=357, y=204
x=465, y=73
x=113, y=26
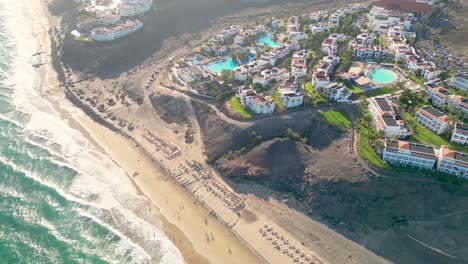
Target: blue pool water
x=266, y=39
x=193, y=60
x=383, y=75
x=228, y=63
x=224, y=64
x=250, y=58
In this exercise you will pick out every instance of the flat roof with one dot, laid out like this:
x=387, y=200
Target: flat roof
x=422, y=148
x=389, y=120
x=462, y=126
x=427, y=149
x=461, y=156
x=431, y=110
x=383, y=104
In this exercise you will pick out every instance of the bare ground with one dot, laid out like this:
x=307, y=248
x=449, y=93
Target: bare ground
x=326, y=181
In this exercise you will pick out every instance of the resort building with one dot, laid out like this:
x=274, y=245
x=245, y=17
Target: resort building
x=318, y=28
x=460, y=134
x=134, y=7
x=257, y=103
x=453, y=162
x=260, y=105
x=399, y=47
x=298, y=67
x=381, y=19
x=330, y=44
x=368, y=51
x=277, y=53
x=227, y=33
x=430, y=72
x=276, y=23
x=460, y=103
x=396, y=31
x=107, y=18
x=293, y=29
x=269, y=75
x=318, y=16
x=335, y=18
x=336, y=92
x=433, y=119
x=384, y=118
x=362, y=39
x=409, y=154
x=215, y=49
x=87, y=23
x=291, y=98
x=239, y=39
x=320, y=79
x=459, y=82
x=438, y=94
x=121, y=29
x=243, y=72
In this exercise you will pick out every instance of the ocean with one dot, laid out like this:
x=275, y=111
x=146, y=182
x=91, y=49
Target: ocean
x=62, y=200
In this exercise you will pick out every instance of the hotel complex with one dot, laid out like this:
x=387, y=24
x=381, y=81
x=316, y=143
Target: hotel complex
x=384, y=118
x=460, y=133
x=119, y=30
x=409, y=154
x=453, y=162
x=433, y=119
x=108, y=24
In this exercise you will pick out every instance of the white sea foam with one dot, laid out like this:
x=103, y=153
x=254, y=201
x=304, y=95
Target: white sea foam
x=98, y=176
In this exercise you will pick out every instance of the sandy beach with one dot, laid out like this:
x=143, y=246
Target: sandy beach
x=195, y=205
x=190, y=226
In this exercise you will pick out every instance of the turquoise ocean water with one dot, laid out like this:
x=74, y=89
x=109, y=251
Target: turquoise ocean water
x=61, y=200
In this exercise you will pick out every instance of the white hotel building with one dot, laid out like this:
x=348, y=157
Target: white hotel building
x=121, y=29
x=453, y=162
x=134, y=7
x=433, y=119
x=255, y=102
x=460, y=134
x=409, y=154
x=384, y=118
x=460, y=82
x=269, y=75
x=438, y=94
x=291, y=98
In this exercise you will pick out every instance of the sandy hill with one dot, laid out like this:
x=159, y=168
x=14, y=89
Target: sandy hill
x=278, y=162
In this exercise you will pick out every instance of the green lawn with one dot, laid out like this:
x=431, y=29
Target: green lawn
x=85, y=39
x=415, y=79
x=339, y=118
x=379, y=91
x=316, y=96
x=424, y=135
x=239, y=108
x=276, y=97
x=354, y=88
x=367, y=151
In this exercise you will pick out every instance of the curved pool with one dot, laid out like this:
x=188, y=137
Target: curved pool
x=383, y=75
x=267, y=40
x=223, y=64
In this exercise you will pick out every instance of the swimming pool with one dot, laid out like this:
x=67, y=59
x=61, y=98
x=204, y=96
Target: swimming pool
x=383, y=75
x=194, y=60
x=266, y=39
x=223, y=64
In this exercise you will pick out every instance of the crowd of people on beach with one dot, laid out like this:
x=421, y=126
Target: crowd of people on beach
x=281, y=243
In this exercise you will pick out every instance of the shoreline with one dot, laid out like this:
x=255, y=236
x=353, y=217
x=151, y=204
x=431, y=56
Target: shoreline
x=90, y=124
x=154, y=179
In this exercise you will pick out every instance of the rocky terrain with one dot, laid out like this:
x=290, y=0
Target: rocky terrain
x=329, y=184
